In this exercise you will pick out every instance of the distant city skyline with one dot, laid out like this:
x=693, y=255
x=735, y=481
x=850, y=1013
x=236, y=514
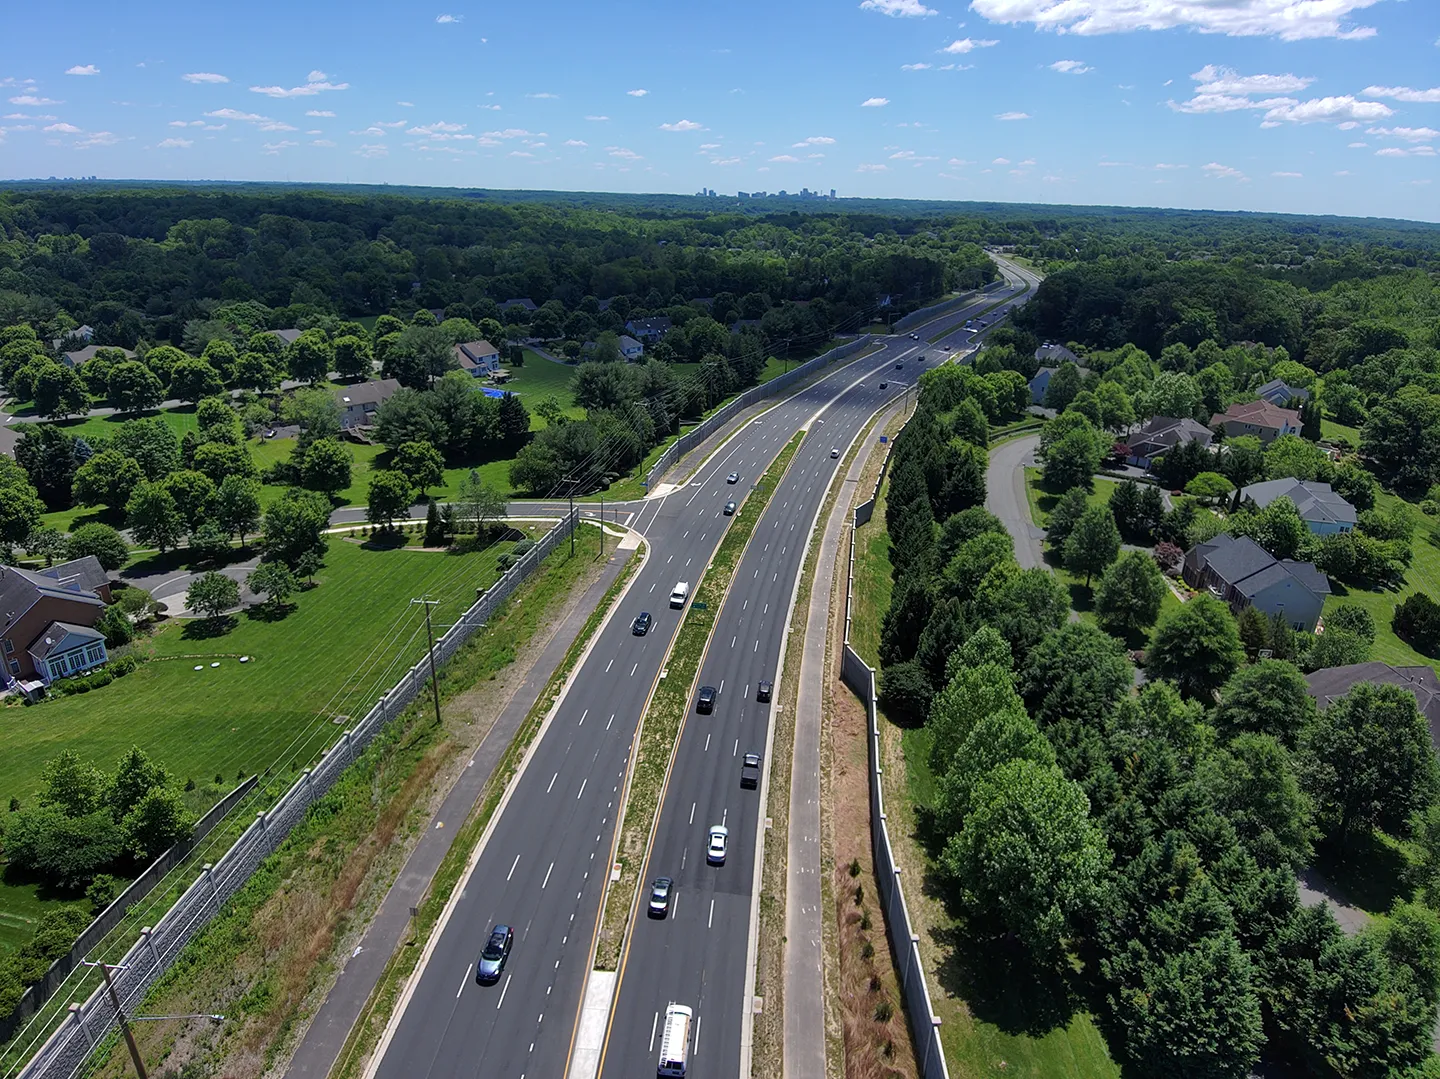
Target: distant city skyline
x=1278, y=105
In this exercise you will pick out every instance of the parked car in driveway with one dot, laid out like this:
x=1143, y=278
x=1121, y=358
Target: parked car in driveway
x=641, y=625
x=495, y=954
x=719, y=837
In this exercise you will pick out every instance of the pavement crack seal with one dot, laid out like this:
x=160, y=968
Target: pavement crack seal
x=380, y=1010
x=659, y=733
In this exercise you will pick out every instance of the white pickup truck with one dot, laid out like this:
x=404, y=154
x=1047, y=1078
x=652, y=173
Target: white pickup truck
x=679, y=594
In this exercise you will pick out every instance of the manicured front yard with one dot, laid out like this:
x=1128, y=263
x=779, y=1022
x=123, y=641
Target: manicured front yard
x=342, y=645
x=1043, y=500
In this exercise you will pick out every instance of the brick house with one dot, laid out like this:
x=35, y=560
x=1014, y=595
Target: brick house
x=47, y=620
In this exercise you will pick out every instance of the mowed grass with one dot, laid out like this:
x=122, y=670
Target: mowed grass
x=978, y=1039
x=342, y=645
x=541, y=378
x=1043, y=500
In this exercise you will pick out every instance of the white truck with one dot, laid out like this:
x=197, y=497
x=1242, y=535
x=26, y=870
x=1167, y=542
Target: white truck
x=679, y=594
x=674, y=1042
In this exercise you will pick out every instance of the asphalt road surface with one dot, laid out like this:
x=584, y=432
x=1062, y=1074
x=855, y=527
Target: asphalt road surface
x=546, y=863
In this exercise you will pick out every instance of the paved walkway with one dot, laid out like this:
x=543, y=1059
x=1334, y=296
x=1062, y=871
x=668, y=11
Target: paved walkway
x=326, y=1035
x=804, y=918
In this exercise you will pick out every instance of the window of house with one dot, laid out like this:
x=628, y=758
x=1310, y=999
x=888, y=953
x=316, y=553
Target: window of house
x=95, y=654
x=14, y=666
x=9, y=648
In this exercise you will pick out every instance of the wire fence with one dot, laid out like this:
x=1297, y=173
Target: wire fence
x=66, y=1050
x=904, y=941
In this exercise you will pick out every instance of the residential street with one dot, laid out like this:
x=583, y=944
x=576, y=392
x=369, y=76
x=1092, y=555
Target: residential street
x=1005, y=498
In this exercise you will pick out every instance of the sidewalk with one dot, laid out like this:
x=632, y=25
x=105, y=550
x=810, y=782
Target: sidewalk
x=323, y=1041
x=804, y=923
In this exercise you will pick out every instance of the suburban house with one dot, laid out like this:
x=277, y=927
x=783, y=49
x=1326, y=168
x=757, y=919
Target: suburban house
x=83, y=333
x=1041, y=382
x=478, y=358
x=1320, y=507
x=1244, y=574
x=47, y=621
x=1160, y=435
x=359, y=403
x=630, y=348
x=1279, y=393
x=525, y=302
x=1257, y=418
x=287, y=337
x=1331, y=683
x=82, y=355
x=1054, y=355
x=649, y=329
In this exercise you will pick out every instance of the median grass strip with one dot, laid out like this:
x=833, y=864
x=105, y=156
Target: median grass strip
x=660, y=729
x=267, y=960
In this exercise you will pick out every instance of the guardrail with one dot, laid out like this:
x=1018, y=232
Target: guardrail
x=65, y=1052
x=721, y=416
x=904, y=942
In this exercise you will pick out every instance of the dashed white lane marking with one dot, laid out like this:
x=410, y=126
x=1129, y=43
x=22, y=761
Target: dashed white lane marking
x=512, y=867
x=547, y=875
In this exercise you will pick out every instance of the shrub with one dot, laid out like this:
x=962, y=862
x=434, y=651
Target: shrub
x=1417, y=620
x=905, y=692
x=883, y=1011
x=103, y=891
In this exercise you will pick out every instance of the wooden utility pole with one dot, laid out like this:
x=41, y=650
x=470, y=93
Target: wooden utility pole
x=430, y=637
x=105, y=969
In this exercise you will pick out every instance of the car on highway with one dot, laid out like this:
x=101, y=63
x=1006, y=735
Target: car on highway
x=834, y=452
x=734, y=477
x=660, y=890
x=763, y=691
x=945, y=347
x=899, y=364
x=678, y=594
x=884, y=385
x=719, y=837
x=494, y=955
x=705, y=701
x=729, y=509
x=750, y=771
x=914, y=337
x=641, y=625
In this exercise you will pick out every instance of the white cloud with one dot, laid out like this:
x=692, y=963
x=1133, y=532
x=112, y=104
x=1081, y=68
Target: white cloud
x=1409, y=134
x=521, y=153
x=910, y=155
x=1012, y=116
x=1327, y=110
x=83, y=69
x=1224, y=80
x=1343, y=172
x=868, y=103
x=873, y=168
x=276, y=147
x=716, y=145
x=544, y=95
x=175, y=144
x=1422, y=150
x=898, y=9
x=682, y=125
x=313, y=85
x=315, y=131
x=1288, y=175
x=1404, y=93
x=31, y=99
x=1070, y=67
x=276, y=125
x=1289, y=20
x=373, y=150
x=967, y=44
x=637, y=93
x=1001, y=161
x=1222, y=172
x=63, y=129
x=322, y=142
x=235, y=114
x=914, y=67
x=816, y=140
x=318, y=112
x=431, y=129
x=1113, y=164
x=372, y=131
x=492, y=108
x=392, y=123
x=725, y=161
x=597, y=119
x=785, y=158
x=406, y=104
x=515, y=133
x=1356, y=145
x=442, y=19
x=620, y=151
x=959, y=162
x=187, y=123
x=576, y=142
x=204, y=76
x=98, y=138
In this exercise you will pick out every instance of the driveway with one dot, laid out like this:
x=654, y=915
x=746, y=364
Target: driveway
x=169, y=587
x=1005, y=498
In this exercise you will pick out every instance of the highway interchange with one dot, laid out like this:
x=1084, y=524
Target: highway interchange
x=545, y=864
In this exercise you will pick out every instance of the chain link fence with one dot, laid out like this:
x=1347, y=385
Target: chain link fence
x=65, y=1052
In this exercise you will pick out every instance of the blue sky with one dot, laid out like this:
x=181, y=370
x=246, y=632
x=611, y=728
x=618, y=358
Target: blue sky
x=1308, y=106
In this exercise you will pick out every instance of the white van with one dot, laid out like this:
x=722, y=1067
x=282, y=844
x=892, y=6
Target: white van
x=679, y=593
x=674, y=1042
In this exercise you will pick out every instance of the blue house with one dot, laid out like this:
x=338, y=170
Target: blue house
x=478, y=358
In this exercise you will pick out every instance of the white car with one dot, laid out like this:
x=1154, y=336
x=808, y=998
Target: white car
x=715, y=853
x=834, y=453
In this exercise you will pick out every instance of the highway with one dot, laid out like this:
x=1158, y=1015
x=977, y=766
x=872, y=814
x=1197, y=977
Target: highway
x=697, y=955
x=545, y=865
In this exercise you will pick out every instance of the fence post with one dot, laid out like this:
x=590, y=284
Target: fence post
x=75, y=1014
x=147, y=936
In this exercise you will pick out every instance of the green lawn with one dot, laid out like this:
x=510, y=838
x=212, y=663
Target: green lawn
x=541, y=378
x=180, y=419
x=341, y=645
x=1043, y=500
x=1331, y=429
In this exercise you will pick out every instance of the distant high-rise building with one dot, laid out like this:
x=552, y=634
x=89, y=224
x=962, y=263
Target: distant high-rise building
x=832, y=192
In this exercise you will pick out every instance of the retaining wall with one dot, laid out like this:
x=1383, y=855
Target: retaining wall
x=64, y=1054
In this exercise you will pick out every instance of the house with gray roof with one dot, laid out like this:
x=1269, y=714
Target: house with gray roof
x=359, y=403
x=1259, y=418
x=1160, y=435
x=631, y=349
x=287, y=336
x=47, y=620
x=84, y=355
x=523, y=302
x=1331, y=683
x=1240, y=572
x=1041, y=382
x=478, y=358
x=1326, y=512
x=649, y=329
x=1278, y=392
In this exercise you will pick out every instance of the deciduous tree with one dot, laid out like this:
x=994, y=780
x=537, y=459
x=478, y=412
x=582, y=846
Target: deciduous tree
x=1198, y=647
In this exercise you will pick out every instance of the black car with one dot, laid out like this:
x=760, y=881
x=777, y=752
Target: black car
x=641, y=625
x=660, y=890
x=750, y=771
x=705, y=703
x=730, y=509
x=492, y=959
x=898, y=366
x=763, y=691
